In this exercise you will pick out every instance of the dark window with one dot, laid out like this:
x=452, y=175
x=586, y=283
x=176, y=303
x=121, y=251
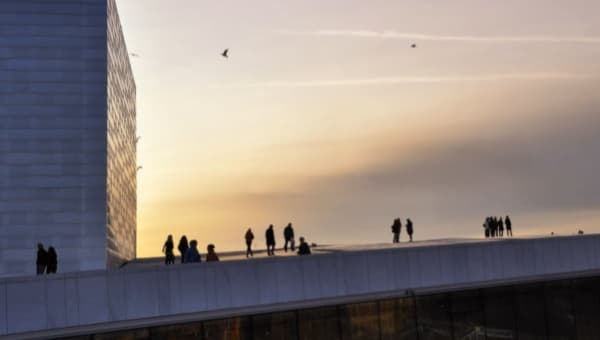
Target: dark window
x=531, y=314
x=135, y=334
x=277, y=326
x=499, y=313
x=397, y=319
x=587, y=308
x=192, y=330
x=360, y=321
x=467, y=315
x=317, y=324
x=227, y=329
x=433, y=317
x=559, y=310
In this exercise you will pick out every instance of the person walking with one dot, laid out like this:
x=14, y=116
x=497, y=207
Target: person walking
x=211, y=256
x=42, y=260
x=52, y=261
x=270, y=238
x=288, y=235
x=192, y=255
x=249, y=238
x=396, y=227
x=508, y=223
x=183, y=247
x=303, y=248
x=409, y=229
x=168, y=250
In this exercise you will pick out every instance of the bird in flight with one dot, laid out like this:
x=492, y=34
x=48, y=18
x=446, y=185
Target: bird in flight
x=224, y=54
x=135, y=55
x=413, y=45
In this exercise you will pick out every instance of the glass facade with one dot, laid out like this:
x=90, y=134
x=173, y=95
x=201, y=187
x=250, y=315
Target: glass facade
x=556, y=310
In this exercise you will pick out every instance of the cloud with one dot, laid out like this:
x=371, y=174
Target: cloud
x=449, y=38
x=419, y=80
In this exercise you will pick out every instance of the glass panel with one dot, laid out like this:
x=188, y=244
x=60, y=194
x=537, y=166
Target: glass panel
x=227, y=329
x=135, y=334
x=531, y=314
x=397, y=318
x=316, y=324
x=433, y=317
x=277, y=326
x=559, y=311
x=191, y=330
x=499, y=313
x=360, y=321
x=467, y=315
x=587, y=308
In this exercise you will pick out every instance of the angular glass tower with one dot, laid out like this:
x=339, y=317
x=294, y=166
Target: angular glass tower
x=67, y=135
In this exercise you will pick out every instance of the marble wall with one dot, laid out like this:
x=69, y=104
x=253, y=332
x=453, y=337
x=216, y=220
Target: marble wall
x=211, y=290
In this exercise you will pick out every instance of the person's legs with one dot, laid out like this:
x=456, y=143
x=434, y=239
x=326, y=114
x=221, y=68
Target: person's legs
x=285, y=245
x=40, y=269
x=293, y=243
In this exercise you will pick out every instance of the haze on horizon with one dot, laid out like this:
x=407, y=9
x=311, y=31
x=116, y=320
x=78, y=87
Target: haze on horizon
x=324, y=116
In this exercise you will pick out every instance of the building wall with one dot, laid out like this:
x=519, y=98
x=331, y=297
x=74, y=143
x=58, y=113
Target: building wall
x=122, y=162
x=53, y=114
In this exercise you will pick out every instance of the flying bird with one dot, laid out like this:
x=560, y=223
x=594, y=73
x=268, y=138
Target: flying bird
x=224, y=54
x=135, y=55
x=413, y=45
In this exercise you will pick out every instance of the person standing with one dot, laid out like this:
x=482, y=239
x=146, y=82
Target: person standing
x=168, y=250
x=249, y=238
x=211, y=255
x=396, y=227
x=508, y=223
x=52, y=261
x=303, y=248
x=183, y=247
x=192, y=255
x=409, y=229
x=288, y=235
x=270, y=238
x=41, y=260
x=500, y=227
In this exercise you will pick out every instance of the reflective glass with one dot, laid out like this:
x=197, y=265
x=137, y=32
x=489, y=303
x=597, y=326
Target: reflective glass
x=227, y=329
x=587, y=308
x=467, y=315
x=319, y=324
x=531, y=314
x=433, y=317
x=276, y=326
x=191, y=330
x=135, y=334
x=397, y=319
x=360, y=321
x=559, y=311
x=499, y=313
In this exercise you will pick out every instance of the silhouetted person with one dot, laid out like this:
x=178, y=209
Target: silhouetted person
x=288, y=235
x=409, y=229
x=183, y=247
x=396, y=227
x=303, y=249
x=508, y=223
x=500, y=227
x=41, y=260
x=249, y=238
x=486, y=227
x=168, y=250
x=211, y=256
x=270, y=237
x=192, y=255
x=52, y=261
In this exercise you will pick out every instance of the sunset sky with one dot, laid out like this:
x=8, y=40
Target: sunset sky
x=324, y=116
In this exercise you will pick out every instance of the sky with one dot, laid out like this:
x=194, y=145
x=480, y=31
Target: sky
x=325, y=117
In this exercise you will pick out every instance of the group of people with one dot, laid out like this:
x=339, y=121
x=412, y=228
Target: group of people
x=189, y=251
x=46, y=261
x=397, y=228
x=494, y=226
x=190, y=254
